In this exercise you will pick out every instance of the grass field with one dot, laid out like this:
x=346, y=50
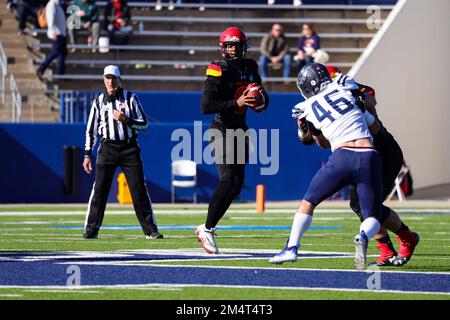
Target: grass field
x=38, y=244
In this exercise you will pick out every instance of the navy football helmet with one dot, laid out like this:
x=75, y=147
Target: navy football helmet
x=312, y=79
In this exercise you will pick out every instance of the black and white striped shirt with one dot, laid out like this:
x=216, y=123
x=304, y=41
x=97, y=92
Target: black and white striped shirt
x=101, y=121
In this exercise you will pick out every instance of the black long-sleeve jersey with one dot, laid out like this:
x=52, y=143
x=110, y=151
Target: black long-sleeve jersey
x=224, y=84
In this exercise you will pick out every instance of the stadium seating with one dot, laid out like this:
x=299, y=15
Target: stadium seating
x=169, y=50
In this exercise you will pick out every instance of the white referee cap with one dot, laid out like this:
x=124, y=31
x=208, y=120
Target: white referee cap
x=111, y=69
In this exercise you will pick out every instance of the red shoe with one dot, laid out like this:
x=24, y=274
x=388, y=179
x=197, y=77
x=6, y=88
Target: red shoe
x=408, y=241
x=387, y=254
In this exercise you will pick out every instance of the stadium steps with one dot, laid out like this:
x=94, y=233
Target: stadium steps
x=36, y=105
x=343, y=29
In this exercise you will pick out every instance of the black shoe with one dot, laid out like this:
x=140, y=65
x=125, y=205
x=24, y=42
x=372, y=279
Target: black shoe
x=154, y=235
x=90, y=236
x=40, y=76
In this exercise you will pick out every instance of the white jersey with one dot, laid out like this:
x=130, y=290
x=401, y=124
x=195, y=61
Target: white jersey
x=335, y=113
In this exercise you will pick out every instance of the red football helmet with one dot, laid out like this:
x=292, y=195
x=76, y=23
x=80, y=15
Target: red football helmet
x=333, y=71
x=233, y=36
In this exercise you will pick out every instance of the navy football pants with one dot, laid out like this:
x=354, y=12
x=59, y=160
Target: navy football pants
x=345, y=167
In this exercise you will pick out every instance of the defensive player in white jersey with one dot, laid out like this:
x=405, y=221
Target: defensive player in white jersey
x=331, y=107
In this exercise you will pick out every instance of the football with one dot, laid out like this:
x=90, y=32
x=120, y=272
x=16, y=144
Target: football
x=254, y=91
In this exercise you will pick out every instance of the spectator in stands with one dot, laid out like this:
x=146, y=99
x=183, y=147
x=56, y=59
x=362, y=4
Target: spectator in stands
x=308, y=44
x=28, y=8
x=57, y=32
x=118, y=18
x=274, y=48
x=89, y=18
x=11, y=5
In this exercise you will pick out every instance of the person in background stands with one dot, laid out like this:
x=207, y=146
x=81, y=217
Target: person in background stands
x=56, y=32
x=275, y=49
x=308, y=44
x=89, y=18
x=117, y=19
x=25, y=9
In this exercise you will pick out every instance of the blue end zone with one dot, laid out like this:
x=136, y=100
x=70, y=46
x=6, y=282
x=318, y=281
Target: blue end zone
x=233, y=228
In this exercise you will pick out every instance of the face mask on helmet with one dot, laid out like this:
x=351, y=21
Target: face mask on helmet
x=233, y=51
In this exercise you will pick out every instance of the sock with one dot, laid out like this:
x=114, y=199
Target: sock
x=403, y=227
x=301, y=223
x=385, y=239
x=370, y=227
x=216, y=204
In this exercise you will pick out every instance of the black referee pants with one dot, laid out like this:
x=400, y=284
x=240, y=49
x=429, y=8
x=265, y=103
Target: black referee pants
x=128, y=157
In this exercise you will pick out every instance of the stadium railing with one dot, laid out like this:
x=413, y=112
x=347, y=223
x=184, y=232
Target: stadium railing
x=3, y=72
x=170, y=63
x=182, y=48
x=150, y=77
x=205, y=34
x=16, y=100
x=347, y=5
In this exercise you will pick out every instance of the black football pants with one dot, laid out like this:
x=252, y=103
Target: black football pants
x=231, y=180
x=391, y=162
x=128, y=157
x=231, y=175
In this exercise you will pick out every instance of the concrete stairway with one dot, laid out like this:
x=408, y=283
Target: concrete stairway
x=37, y=104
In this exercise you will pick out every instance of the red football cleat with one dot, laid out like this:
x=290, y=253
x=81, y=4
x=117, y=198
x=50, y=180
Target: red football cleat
x=408, y=241
x=387, y=254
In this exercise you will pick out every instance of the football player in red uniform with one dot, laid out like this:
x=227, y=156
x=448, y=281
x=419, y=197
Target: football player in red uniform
x=226, y=94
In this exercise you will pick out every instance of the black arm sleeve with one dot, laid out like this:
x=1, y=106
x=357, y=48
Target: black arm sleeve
x=212, y=98
x=314, y=131
x=308, y=142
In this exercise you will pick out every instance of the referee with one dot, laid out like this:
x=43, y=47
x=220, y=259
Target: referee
x=116, y=115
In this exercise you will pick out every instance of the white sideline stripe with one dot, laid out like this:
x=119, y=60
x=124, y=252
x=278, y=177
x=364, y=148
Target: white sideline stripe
x=303, y=269
x=204, y=211
x=74, y=290
x=149, y=286
x=168, y=252
x=149, y=263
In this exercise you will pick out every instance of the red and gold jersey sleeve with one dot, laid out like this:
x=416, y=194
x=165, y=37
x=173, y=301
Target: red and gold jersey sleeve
x=214, y=70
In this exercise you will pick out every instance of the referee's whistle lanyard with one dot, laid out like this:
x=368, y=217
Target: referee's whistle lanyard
x=117, y=97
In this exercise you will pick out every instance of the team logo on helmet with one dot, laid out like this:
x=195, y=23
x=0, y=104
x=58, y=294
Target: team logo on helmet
x=312, y=79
